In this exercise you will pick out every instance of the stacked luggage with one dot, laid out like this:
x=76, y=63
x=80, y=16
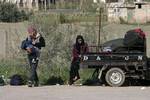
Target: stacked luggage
x=134, y=40
x=134, y=37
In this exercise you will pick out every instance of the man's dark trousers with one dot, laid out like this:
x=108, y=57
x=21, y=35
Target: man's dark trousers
x=33, y=67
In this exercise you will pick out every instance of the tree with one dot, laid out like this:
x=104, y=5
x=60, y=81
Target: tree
x=10, y=13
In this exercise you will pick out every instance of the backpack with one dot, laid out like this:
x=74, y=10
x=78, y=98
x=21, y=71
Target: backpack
x=23, y=44
x=16, y=80
x=2, y=82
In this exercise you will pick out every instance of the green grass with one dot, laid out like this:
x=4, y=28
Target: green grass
x=64, y=18
x=47, y=75
x=8, y=68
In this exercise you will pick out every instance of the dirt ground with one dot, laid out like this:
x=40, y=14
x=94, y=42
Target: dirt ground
x=74, y=93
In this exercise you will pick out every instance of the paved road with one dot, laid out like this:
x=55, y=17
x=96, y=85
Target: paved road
x=74, y=93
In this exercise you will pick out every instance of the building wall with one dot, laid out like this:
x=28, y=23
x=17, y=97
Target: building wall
x=129, y=14
x=148, y=13
x=2, y=44
x=116, y=11
x=140, y=15
x=11, y=35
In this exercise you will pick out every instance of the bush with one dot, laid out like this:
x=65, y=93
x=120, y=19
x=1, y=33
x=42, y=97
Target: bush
x=10, y=13
x=62, y=18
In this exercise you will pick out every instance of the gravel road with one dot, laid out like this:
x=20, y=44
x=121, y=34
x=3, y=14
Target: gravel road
x=74, y=93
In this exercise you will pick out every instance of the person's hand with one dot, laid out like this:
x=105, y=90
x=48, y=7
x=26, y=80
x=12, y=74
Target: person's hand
x=79, y=56
x=28, y=50
x=33, y=42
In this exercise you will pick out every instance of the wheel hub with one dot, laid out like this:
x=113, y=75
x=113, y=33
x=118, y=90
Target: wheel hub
x=116, y=77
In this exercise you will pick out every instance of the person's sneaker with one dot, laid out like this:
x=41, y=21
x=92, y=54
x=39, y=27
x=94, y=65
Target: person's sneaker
x=76, y=78
x=30, y=84
x=36, y=84
x=37, y=59
x=33, y=61
x=70, y=82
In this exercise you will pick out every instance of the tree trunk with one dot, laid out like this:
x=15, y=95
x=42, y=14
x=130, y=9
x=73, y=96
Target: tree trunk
x=45, y=6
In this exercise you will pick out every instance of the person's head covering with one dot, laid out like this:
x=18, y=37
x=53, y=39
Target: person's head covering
x=80, y=37
x=78, y=45
x=31, y=29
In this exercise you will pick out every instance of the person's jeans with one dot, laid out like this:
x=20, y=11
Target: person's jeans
x=33, y=77
x=74, y=71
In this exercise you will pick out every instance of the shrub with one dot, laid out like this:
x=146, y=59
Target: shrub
x=10, y=13
x=62, y=18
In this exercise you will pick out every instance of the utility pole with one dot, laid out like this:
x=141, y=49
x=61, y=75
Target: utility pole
x=99, y=21
x=100, y=24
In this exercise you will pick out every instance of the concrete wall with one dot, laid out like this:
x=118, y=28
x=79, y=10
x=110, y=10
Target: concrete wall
x=129, y=14
x=114, y=14
x=2, y=44
x=11, y=35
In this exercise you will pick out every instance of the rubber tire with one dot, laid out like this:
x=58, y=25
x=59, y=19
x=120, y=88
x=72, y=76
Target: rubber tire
x=108, y=77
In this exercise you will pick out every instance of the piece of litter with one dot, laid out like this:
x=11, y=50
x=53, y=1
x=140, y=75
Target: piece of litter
x=143, y=88
x=80, y=84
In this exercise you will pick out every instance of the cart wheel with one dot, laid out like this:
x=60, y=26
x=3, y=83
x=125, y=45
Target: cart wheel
x=115, y=77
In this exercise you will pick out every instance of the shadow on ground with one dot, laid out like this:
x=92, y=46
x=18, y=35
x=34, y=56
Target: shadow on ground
x=54, y=80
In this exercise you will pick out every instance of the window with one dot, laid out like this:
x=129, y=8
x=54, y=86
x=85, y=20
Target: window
x=139, y=6
x=116, y=10
x=109, y=1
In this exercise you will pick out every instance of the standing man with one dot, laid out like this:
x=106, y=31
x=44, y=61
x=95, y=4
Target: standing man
x=33, y=44
x=79, y=48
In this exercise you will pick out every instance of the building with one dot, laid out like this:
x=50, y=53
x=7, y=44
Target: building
x=138, y=12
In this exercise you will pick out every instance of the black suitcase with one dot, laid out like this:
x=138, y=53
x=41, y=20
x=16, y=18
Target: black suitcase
x=133, y=38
